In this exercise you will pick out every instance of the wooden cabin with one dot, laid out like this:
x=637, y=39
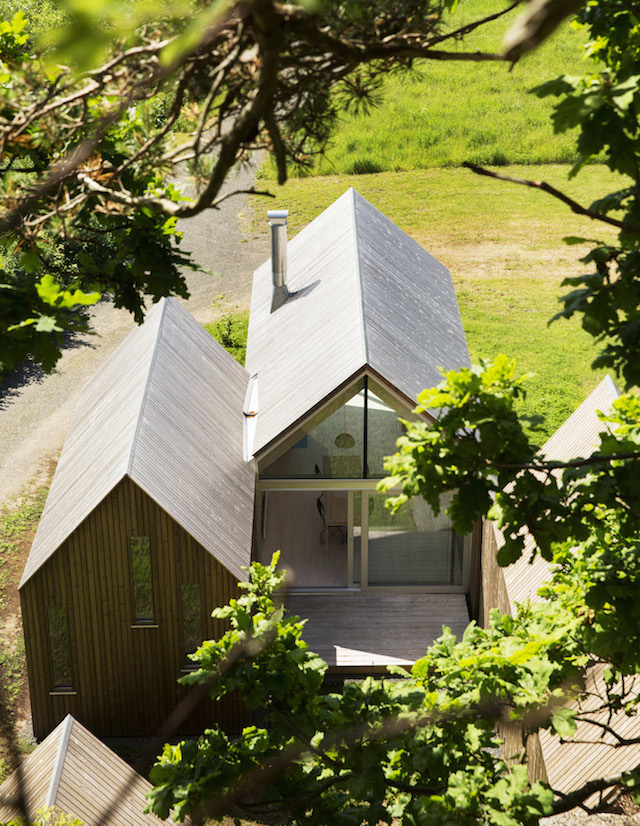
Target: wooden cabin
x=146, y=528
x=75, y=773
x=565, y=763
x=180, y=465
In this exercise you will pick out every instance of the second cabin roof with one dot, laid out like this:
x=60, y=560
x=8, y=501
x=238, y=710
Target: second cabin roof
x=365, y=294
x=165, y=410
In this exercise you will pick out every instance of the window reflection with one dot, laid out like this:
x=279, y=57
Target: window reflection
x=346, y=440
x=142, y=582
x=412, y=546
x=333, y=448
x=191, y=619
x=383, y=431
x=60, y=648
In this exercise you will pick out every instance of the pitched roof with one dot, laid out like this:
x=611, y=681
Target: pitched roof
x=589, y=753
x=576, y=437
x=366, y=296
x=75, y=772
x=155, y=412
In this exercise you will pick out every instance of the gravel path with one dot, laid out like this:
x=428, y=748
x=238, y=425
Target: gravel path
x=36, y=409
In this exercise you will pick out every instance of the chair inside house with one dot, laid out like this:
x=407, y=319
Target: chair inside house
x=332, y=508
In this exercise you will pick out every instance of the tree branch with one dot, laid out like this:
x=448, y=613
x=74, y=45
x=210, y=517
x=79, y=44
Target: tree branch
x=568, y=801
x=574, y=206
x=620, y=741
x=470, y=27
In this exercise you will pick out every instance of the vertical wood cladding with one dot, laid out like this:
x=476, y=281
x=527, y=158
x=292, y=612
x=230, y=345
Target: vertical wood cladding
x=494, y=595
x=124, y=675
x=494, y=591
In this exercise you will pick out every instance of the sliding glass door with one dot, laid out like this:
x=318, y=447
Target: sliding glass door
x=411, y=547
x=330, y=537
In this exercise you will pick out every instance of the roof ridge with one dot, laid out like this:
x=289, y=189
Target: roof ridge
x=143, y=401
x=61, y=756
x=363, y=326
x=613, y=387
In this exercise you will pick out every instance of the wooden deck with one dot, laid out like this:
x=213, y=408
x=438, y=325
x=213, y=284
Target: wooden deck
x=354, y=630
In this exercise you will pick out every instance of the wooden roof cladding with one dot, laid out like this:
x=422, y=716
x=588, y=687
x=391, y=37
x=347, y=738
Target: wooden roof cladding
x=155, y=413
x=576, y=437
x=366, y=295
x=570, y=762
x=75, y=772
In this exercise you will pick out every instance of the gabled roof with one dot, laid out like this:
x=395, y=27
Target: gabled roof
x=166, y=411
x=366, y=296
x=75, y=772
x=589, y=753
x=575, y=438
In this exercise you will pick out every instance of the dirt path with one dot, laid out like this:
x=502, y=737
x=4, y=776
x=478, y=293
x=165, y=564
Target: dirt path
x=36, y=409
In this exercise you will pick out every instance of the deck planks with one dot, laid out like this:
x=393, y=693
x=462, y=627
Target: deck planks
x=355, y=629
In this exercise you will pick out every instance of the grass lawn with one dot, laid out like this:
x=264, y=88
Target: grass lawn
x=503, y=245
x=447, y=112
x=17, y=529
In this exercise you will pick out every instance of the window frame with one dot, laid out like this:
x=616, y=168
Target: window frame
x=140, y=621
x=66, y=687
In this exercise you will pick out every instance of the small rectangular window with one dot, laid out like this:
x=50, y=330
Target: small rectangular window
x=142, y=581
x=60, y=648
x=191, y=619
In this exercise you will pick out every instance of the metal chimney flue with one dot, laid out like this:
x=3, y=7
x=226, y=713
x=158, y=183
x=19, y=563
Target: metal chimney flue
x=278, y=224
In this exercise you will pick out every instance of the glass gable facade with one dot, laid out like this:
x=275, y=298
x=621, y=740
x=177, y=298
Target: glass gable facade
x=347, y=440
x=344, y=536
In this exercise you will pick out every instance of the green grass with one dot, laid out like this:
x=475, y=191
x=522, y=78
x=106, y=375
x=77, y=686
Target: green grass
x=503, y=245
x=16, y=531
x=231, y=332
x=449, y=112
x=16, y=526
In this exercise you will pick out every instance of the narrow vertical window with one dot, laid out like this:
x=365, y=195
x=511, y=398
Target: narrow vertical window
x=142, y=582
x=60, y=648
x=191, y=620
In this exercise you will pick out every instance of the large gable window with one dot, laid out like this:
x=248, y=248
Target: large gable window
x=347, y=439
x=319, y=505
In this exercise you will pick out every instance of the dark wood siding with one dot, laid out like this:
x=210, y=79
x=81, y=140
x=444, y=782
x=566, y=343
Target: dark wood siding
x=494, y=595
x=124, y=676
x=494, y=592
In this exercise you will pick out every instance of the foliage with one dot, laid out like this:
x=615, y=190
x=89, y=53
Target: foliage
x=422, y=749
x=87, y=141
x=231, y=332
x=90, y=144
x=409, y=750
x=49, y=816
x=434, y=116
x=58, y=263
x=581, y=514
